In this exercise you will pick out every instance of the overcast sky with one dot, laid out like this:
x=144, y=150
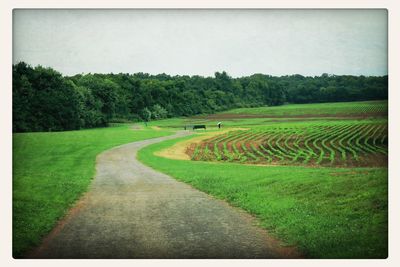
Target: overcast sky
x=241, y=42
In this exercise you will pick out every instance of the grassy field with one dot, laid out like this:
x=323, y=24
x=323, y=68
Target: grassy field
x=51, y=171
x=340, y=108
x=325, y=212
x=286, y=113
x=211, y=122
x=322, y=185
x=319, y=188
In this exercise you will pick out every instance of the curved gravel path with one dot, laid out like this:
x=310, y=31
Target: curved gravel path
x=133, y=211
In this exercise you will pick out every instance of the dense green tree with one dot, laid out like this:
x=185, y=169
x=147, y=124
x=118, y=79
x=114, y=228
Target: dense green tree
x=90, y=108
x=44, y=100
x=23, y=118
x=146, y=114
x=158, y=112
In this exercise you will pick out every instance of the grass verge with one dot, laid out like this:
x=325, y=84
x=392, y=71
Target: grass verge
x=52, y=170
x=325, y=212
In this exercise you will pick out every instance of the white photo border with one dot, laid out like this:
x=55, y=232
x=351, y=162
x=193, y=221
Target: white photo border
x=6, y=8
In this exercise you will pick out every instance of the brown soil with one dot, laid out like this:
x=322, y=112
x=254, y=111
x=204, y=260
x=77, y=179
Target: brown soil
x=239, y=146
x=248, y=146
x=190, y=149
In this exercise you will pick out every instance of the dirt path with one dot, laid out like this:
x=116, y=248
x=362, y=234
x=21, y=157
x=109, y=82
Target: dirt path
x=133, y=211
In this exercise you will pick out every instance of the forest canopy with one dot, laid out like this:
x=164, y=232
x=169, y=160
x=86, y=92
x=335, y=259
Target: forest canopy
x=45, y=100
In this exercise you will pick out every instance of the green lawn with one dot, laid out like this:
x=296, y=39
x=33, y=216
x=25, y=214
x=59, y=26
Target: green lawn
x=325, y=212
x=52, y=170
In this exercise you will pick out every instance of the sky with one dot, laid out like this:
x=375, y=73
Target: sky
x=201, y=42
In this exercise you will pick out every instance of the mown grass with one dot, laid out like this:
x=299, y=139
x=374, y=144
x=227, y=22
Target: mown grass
x=345, y=108
x=325, y=212
x=313, y=113
x=52, y=170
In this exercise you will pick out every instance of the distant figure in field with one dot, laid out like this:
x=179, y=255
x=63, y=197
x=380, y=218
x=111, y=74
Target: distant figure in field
x=219, y=125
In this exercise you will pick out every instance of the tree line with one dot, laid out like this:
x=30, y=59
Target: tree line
x=45, y=100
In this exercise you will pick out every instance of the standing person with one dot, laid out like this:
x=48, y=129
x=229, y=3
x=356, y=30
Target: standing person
x=219, y=125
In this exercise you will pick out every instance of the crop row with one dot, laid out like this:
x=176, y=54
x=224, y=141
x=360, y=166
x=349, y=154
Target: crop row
x=324, y=144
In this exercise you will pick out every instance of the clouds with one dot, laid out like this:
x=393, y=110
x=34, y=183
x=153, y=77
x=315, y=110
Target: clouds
x=242, y=42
